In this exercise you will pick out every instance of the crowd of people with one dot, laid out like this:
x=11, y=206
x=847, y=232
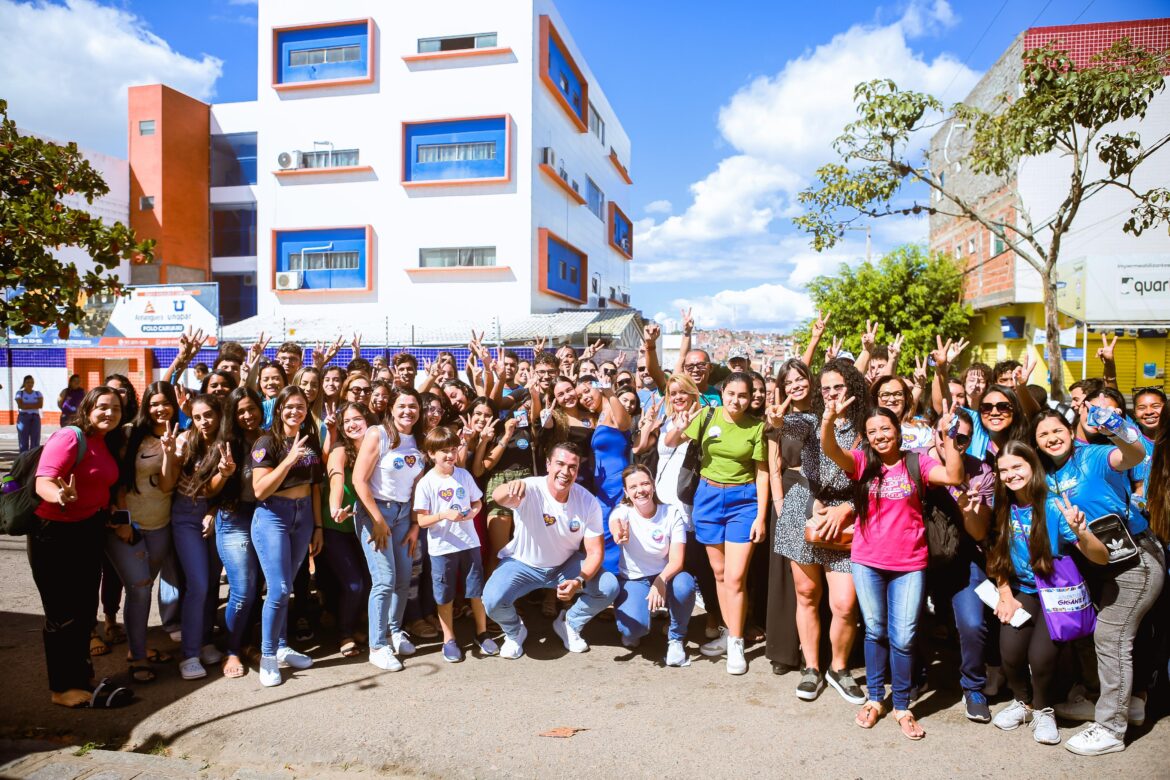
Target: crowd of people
x=393, y=501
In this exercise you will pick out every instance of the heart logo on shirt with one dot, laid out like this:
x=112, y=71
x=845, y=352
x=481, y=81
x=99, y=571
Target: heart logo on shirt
x=550, y=520
x=446, y=494
x=258, y=455
x=411, y=460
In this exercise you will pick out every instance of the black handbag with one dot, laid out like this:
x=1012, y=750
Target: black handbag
x=688, y=475
x=943, y=530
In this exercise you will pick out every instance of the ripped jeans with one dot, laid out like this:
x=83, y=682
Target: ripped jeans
x=137, y=566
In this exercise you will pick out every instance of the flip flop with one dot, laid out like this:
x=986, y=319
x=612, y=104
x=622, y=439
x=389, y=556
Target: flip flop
x=349, y=649
x=142, y=674
x=235, y=672
x=115, y=634
x=867, y=716
x=156, y=656
x=907, y=722
x=97, y=645
x=107, y=696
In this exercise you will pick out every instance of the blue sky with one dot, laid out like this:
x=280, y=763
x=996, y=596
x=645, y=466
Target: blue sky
x=730, y=107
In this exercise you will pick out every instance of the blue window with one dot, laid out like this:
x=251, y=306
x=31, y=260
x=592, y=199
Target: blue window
x=595, y=198
x=621, y=231
x=457, y=149
x=233, y=230
x=233, y=159
x=565, y=269
x=327, y=259
x=564, y=76
x=323, y=53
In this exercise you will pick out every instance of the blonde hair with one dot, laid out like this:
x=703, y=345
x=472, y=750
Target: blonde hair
x=685, y=383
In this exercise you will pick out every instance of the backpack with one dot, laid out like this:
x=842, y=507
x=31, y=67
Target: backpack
x=943, y=529
x=18, y=489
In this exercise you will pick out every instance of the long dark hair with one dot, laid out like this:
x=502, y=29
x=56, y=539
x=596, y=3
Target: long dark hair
x=1018, y=430
x=999, y=557
x=130, y=408
x=308, y=427
x=1158, y=483
x=235, y=437
x=420, y=425
x=141, y=427
x=873, y=464
x=350, y=446
x=638, y=468
x=1047, y=462
x=202, y=455
x=798, y=364
x=855, y=387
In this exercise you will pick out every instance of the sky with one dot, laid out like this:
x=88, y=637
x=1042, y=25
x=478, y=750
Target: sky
x=730, y=107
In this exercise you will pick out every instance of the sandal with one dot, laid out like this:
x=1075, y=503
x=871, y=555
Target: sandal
x=141, y=673
x=97, y=645
x=115, y=634
x=233, y=667
x=909, y=725
x=107, y=696
x=252, y=655
x=868, y=715
x=156, y=656
x=349, y=649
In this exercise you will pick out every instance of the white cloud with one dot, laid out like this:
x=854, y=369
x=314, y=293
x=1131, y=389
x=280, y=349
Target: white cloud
x=659, y=207
x=767, y=305
x=89, y=54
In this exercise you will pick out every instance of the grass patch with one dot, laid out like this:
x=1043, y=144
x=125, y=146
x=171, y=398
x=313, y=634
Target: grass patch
x=88, y=747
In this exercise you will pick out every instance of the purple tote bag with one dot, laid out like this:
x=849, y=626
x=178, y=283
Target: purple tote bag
x=1064, y=597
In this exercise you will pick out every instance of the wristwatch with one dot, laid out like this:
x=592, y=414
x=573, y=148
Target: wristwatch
x=580, y=581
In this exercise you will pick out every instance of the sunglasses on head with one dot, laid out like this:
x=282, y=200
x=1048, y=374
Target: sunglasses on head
x=1003, y=407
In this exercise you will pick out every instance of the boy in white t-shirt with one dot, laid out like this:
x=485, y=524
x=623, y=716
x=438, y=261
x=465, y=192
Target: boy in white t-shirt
x=446, y=502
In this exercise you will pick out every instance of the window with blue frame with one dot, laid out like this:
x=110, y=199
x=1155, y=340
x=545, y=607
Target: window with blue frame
x=621, y=230
x=328, y=258
x=456, y=149
x=233, y=230
x=323, y=53
x=565, y=77
x=233, y=159
x=567, y=266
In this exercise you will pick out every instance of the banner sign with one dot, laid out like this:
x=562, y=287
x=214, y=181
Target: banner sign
x=1116, y=289
x=149, y=316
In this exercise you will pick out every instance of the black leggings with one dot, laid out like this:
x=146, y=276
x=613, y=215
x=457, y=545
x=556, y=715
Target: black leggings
x=1029, y=646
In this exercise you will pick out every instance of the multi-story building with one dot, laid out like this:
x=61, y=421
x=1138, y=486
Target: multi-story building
x=1004, y=289
x=402, y=166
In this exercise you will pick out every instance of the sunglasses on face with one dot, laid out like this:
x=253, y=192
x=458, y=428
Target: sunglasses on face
x=961, y=440
x=1003, y=407
x=830, y=389
x=695, y=366
x=641, y=369
x=360, y=390
x=608, y=371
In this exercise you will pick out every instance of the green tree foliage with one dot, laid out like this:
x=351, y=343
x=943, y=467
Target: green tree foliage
x=35, y=176
x=908, y=292
x=1061, y=108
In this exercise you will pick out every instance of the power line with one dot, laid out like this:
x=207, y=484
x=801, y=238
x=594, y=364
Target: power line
x=1042, y=10
x=1082, y=13
x=986, y=30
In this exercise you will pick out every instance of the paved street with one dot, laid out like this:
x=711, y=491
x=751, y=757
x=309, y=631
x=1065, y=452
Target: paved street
x=484, y=717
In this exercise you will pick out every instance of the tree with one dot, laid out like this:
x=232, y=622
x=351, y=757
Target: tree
x=35, y=176
x=908, y=292
x=1061, y=108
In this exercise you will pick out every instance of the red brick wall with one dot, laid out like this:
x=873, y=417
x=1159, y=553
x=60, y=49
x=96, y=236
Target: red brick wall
x=1085, y=40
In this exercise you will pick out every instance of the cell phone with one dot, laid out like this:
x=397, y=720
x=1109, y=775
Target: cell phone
x=120, y=517
x=521, y=418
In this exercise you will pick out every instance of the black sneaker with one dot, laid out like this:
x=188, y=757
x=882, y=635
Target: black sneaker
x=779, y=668
x=845, y=685
x=812, y=682
x=977, y=709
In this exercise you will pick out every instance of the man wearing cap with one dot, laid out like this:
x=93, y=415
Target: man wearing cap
x=739, y=359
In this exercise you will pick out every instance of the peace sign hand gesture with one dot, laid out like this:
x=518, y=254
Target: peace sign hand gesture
x=775, y=413
x=895, y=350
x=835, y=409
x=1105, y=351
x=818, y=326
x=68, y=490
x=869, y=337
x=919, y=371
x=297, y=451
x=1074, y=516
x=170, y=439
x=227, y=464
x=834, y=348
x=682, y=420
x=688, y=320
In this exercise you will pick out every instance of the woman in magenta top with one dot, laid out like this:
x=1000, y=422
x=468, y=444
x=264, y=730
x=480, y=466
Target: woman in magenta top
x=65, y=551
x=889, y=549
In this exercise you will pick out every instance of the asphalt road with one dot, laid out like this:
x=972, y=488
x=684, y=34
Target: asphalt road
x=484, y=717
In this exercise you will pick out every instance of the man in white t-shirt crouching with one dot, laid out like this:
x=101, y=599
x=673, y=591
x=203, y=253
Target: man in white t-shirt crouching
x=553, y=515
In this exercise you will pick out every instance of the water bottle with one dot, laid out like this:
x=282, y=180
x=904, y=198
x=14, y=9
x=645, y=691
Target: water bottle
x=1112, y=421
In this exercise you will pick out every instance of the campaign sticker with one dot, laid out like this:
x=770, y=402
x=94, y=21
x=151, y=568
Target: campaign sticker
x=714, y=431
x=550, y=520
x=258, y=455
x=399, y=463
x=446, y=494
x=522, y=444
x=574, y=525
x=411, y=460
x=460, y=492
x=657, y=535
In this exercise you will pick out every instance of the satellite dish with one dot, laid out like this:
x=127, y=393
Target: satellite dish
x=284, y=159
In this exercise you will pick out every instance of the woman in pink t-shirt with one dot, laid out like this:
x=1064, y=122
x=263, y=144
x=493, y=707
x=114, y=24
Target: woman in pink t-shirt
x=889, y=550
x=65, y=551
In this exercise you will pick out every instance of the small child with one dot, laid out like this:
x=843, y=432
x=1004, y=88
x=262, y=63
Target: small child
x=446, y=502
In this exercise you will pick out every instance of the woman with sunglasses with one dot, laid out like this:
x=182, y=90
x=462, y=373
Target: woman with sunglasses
x=356, y=389
x=1002, y=417
x=1092, y=477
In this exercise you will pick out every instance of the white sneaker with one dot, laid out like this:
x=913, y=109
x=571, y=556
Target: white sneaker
x=289, y=657
x=1012, y=716
x=736, y=663
x=1137, y=710
x=270, y=671
x=210, y=655
x=676, y=653
x=514, y=648
x=1094, y=741
x=699, y=601
x=573, y=641
x=385, y=660
x=1044, y=728
x=995, y=679
x=717, y=646
x=402, y=644
x=191, y=669
x=1078, y=706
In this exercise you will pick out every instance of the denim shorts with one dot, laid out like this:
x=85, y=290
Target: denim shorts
x=445, y=570
x=724, y=514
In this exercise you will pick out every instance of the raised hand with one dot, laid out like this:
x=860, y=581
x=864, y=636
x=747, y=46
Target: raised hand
x=619, y=529
x=957, y=349
x=1074, y=516
x=68, y=490
x=688, y=320
x=539, y=345
x=683, y=419
x=1024, y=372
x=356, y=344
x=468, y=429
x=592, y=349
x=869, y=337
x=920, y=377
x=227, y=464
x=834, y=348
x=834, y=409
x=650, y=332
x=895, y=350
x=818, y=326
x=1105, y=351
x=941, y=353
x=298, y=450
x=620, y=359
x=509, y=428
x=170, y=438
x=488, y=431
x=775, y=413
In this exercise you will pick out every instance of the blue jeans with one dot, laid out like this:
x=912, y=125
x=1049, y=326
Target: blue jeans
x=343, y=553
x=956, y=583
x=233, y=541
x=281, y=531
x=389, y=569
x=891, y=602
x=513, y=579
x=170, y=593
x=137, y=566
x=28, y=430
x=633, y=613
x=201, y=567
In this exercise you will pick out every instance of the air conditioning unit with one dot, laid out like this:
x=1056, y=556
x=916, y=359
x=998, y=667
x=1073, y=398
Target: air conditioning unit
x=601, y=303
x=288, y=160
x=548, y=156
x=576, y=187
x=626, y=298
x=563, y=173
x=289, y=280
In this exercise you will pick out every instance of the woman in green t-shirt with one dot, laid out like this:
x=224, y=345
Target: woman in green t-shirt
x=731, y=503
x=341, y=547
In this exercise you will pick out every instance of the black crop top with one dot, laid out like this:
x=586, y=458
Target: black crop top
x=309, y=470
